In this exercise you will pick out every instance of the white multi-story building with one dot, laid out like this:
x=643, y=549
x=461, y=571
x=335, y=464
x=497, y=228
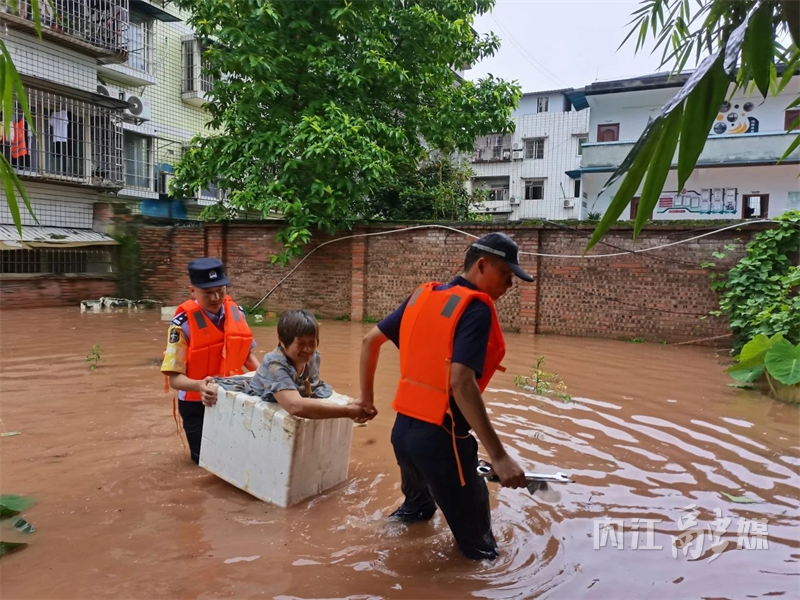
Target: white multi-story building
x=737, y=175
x=528, y=173
x=116, y=94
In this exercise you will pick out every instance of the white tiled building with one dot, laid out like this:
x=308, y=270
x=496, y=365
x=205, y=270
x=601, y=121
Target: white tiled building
x=737, y=175
x=116, y=94
x=526, y=172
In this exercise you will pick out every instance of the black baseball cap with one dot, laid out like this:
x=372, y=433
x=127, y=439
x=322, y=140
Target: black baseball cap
x=502, y=246
x=207, y=273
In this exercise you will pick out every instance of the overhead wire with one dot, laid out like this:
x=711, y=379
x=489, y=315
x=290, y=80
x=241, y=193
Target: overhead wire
x=528, y=56
x=546, y=255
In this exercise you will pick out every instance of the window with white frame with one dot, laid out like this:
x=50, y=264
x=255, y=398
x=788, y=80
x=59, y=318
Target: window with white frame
x=581, y=141
x=542, y=104
x=195, y=79
x=534, y=189
x=534, y=148
x=498, y=194
x=138, y=150
x=140, y=43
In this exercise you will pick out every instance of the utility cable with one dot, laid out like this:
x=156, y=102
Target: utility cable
x=449, y=228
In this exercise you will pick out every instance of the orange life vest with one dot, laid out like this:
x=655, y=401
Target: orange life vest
x=211, y=351
x=427, y=331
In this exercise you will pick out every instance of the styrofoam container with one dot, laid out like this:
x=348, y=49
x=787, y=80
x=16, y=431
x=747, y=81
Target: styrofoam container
x=260, y=448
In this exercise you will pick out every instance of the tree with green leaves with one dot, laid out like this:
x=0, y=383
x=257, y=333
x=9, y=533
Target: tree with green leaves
x=436, y=190
x=316, y=104
x=742, y=41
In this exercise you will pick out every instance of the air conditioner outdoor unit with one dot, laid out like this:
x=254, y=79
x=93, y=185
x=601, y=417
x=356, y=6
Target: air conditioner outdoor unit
x=517, y=146
x=514, y=200
x=569, y=203
x=108, y=90
x=517, y=154
x=138, y=109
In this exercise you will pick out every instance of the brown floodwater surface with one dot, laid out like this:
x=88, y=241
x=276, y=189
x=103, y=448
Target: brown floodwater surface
x=653, y=432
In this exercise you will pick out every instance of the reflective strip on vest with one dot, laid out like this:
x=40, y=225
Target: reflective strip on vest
x=414, y=297
x=427, y=331
x=452, y=302
x=200, y=319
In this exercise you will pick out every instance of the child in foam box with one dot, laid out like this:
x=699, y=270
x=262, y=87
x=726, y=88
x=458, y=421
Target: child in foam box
x=289, y=375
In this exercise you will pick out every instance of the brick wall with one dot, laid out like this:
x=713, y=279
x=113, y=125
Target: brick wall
x=656, y=296
x=51, y=291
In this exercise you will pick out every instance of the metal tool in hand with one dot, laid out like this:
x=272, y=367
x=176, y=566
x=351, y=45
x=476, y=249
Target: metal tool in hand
x=534, y=481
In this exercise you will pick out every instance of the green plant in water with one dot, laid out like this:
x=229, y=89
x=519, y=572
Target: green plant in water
x=368, y=319
x=773, y=359
x=543, y=382
x=94, y=357
x=13, y=526
x=635, y=340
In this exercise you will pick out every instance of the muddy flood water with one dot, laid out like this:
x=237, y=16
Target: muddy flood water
x=653, y=432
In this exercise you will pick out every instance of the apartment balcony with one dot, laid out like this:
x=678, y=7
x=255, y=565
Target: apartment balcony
x=495, y=147
x=76, y=143
x=94, y=27
x=495, y=207
x=139, y=68
x=731, y=150
x=493, y=154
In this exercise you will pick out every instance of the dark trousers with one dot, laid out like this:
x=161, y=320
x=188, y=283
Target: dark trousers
x=192, y=414
x=429, y=473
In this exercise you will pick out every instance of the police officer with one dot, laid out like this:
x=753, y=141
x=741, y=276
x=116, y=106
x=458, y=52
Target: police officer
x=450, y=346
x=208, y=337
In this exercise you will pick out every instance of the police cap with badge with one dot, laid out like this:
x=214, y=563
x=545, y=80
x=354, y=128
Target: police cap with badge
x=207, y=273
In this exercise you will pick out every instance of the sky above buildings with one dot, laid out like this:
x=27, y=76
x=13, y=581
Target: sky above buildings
x=551, y=44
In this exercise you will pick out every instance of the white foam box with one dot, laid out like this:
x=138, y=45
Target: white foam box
x=260, y=448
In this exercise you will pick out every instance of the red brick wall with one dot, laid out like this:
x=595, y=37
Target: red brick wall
x=51, y=291
x=655, y=296
x=602, y=297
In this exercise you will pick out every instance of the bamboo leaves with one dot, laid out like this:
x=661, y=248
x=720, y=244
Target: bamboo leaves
x=743, y=47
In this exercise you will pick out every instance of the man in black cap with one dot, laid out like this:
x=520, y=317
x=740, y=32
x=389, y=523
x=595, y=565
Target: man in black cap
x=450, y=345
x=208, y=337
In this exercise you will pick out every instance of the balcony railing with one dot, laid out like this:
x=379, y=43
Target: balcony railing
x=743, y=149
x=97, y=25
x=76, y=142
x=492, y=154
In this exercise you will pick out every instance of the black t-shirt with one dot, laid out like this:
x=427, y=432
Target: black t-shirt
x=470, y=341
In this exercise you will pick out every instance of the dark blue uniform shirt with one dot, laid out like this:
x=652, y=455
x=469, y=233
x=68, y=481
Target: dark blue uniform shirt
x=469, y=343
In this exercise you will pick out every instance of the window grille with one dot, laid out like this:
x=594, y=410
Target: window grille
x=140, y=44
x=195, y=77
x=56, y=261
x=99, y=23
x=78, y=142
